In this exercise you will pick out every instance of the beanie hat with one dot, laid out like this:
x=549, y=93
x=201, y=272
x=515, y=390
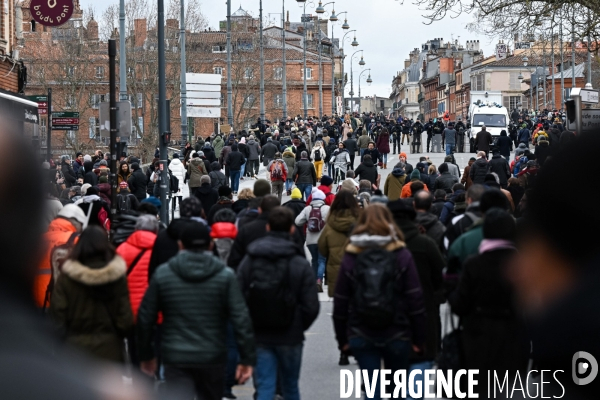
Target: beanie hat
x=296, y=194
x=71, y=211
x=103, y=179
x=318, y=194
x=403, y=154
x=416, y=174
x=262, y=188
x=326, y=180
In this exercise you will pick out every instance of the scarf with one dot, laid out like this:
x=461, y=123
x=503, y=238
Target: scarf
x=495, y=244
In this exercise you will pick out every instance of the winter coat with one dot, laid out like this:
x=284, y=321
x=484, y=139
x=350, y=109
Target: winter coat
x=340, y=159
x=433, y=227
x=217, y=179
x=374, y=155
x=329, y=197
x=483, y=141
x=290, y=160
x=137, y=279
x=521, y=149
x=542, y=151
x=198, y=295
x=367, y=170
x=89, y=176
x=407, y=192
x=430, y=263
x=436, y=207
x=412, y=326
x=479, y=170
x=97, y=204
x=352, y=146
x=235, y=160
x=304, y=216
x=322, y=153
x=273, y=247
x=137, y=184
x=449, y=136
x=178, y=171
x=207, y=196
x=493, y=333
x=209, y=153
x=296, y=205
x=104, y=191
x=253, y=150
x=122, y=178
x=383, y=143
x=299, y=149
x=499, y=165
x=332, y=243
x=505, y=145
x=445, y=181
x=196, y=170
x=394, y=182
x=224, y=153
x=218, y=143
x=267, y=153
x=304, y=173
x=516, y=192
x=524, y=136
x=466, y=177
x=453, y=169
x=222, y=202
x=90, y=304
x=69, y=174
x=363, y=141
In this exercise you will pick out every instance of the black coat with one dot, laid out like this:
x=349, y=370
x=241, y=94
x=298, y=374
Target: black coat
x=499, y=165
x=483, y=141
x=542, y=151
x=69, y=174
x=235, y=160
x=304, y=173
x=219, y=205
x=207, y=196
x=437, y=206
x=479, y=170
x=445, y=181
x=373, y=153
x=165, y=246
x=267, y=152
x=298, y=150
x=351, y=146
x=137, y=184
x=89, y=176
x=505, y=145
x=367, y=170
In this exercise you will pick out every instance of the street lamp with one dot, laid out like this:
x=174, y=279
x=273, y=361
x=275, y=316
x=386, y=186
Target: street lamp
x=369, y=81
x=262, y=66
x=304, y=90
x=321, y=10
x=352, y=78
x=333, y=19
x=354, y=44
x=525, y=62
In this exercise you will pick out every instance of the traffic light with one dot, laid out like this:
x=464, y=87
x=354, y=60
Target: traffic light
x=571, y=113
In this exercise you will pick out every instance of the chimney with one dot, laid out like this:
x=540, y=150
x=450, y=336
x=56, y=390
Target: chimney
x=300, y=29
x=323, y=24
x=172, y=24
x=406, y=63
x=92, y=30
x=140, y=31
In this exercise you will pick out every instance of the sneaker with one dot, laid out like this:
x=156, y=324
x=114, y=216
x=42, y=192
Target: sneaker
x=319, y=286
x=343, y=359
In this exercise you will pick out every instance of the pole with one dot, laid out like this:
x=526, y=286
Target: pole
x=49, y=128
x=320, y=73
x=122, y=53
x=284, y=61
x=304, y=95
x=358, y=90
x=545, y=77
x=562, y=65
x=589, y=57
x=553, y=70
x=112, y=69
x=351, y=86
x=332, y=73
x=164, y=135
x=229, y=87
x=573, y=81
x=184, y=120
x=262, y=68
x=578, y=113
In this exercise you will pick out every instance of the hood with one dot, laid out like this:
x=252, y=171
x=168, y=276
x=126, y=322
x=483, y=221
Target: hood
x=61, y=225
x=110, y=272
x=218, y=139
x=175, y=161
x=342, y=222
x=398, y=172
x=363, y=241
x=288, y=154
x=88, y=165
x=280, y=245
x=142, y=239
x=408, y=228
x=251, y=141
x=222, y=230
x=317, y=202
x=196, y=161
x=522, y=146
x=195, y=267
x=368, y=163
x=104, y=188
x=324, y=189
x=481, y=162
x=426, y=219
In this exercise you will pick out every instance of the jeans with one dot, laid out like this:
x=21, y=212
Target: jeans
x=243, y=170
x=362, y=151
x=369, y=352
x=317, y=260
x=235, y=180
x=421, y=366
x=232, y=360
x=277, y=188
x=319, y=168
x=205, y=382
x=384, y=157
x=271, y=359
x=289, y=184
x=305, y=189
x=449, y=148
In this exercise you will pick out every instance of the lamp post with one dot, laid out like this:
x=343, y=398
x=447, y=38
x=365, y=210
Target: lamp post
x=284, y=89
x=525, y=62
x=122, y=53
x=262, y=66
x=304, y=94
x=164, y=135
x=184, y=124
x=345, y=26
x=362, y=62
x=321, y=10
x=333, y=18
x=229, y=85
x=369, y=81
x=354, y=44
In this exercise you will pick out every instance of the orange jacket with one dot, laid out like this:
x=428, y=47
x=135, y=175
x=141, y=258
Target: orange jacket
x=59, y=232
x=137, y=280
x=406, y=192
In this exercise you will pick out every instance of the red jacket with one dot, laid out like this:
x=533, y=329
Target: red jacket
x=329, y=197
x=137, y=281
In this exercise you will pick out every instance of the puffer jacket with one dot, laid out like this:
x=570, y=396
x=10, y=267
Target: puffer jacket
x=137, y=280
x=90, y=304
x=393, y=184
x=178, y=171
x=445, y=181
x=332, y=243
x=290, y=160
x=479, y=170
x=196, y=170
x=367, y=170
x=218, y=145
x=197, y=294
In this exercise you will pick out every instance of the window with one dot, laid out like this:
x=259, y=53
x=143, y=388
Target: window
x=140, y=100
x=278, y=73
x=245, y=45
x=511, y=102
x=70, y=71
x=308, y=73
x=490, y=120
x=218, y=70
x=441, y=107
x=567, y=94
x=99, y=72
x=92, y=127
x=478, y=82
x=381, y=103
x=248, y=73
x=309, y=101
x=249, y=101
x=71, y=135
x=514, y=83
x=130, y=71
x=219, y=49
x=96, y=99
x=278, y=100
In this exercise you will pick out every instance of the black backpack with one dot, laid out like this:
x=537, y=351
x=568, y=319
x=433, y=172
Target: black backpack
x=271, y=303
x=375, y=298
x=174, y=183
x=123, y=203
x=122, y=228
x=318, y=155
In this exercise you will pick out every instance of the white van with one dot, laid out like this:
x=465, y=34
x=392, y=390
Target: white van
x=494, y=117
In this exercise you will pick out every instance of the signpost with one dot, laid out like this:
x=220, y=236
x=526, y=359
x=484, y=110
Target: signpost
x=65, y=121
x=589, y=96
x=123, y=118
x=203, y=95
x=42, y=101
x=590, y=121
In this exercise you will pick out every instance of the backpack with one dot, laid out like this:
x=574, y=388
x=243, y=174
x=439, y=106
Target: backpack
x=315, y=220
x=374, y=297
x=174, y=183
x=318, y=155
x=58, y=256
x=271, y=303
x=277, y=170
x=123, y=203
x=123, y=227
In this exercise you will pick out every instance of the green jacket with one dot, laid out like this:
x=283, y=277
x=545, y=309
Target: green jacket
x=90, y=305
x=363, y=141
x=218, y=145
x=197, y=295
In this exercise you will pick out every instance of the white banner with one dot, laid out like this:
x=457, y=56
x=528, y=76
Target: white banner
x=211, y=79
x=203, y=95
x=198, y=87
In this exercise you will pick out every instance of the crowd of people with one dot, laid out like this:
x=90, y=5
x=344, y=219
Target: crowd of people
x=226, y=291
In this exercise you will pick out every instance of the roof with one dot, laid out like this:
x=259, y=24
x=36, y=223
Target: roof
x=533, y=59
x=568, y=73
x=241, y=13
x=414, y=69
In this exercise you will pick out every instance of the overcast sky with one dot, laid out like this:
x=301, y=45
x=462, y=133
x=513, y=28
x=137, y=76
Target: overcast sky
x=385, y=30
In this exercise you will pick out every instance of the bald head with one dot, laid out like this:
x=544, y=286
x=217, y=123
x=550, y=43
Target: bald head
x=423, y=200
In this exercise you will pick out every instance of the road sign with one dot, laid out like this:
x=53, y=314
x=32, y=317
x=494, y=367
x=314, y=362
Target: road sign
x=591, y=121
x=203, y=112
x=203, y=102
x=65, y=114
x=123, y=119
x=203, y=95
x=38, y=98
x=65, y=127
x=65, y=121
x=42, y=101
x=589, y=96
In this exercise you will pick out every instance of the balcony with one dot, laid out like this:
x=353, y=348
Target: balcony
x=421, y=97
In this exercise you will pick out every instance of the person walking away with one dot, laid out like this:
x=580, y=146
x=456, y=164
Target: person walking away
x=383, y=146
x=352, y=146
x=368, y=170
x=394, y=182
x=379, y=309
x=281, y=294
x=90, y=301
x=278, y=172
x=67, y=171
x=363, y=142
x=449, y=135
x=479, y=168
x=445, y=180
x=483, y=141
x=195, y=170
x=406, y=189
x=137, y=182
x=178, y=171
x=290, y=161
x=318, y=155
x=304, y=175
x=235, y=160
x=313, y=217
x=217, y=144
x=466, y=177
x=197, y=295
x=206, y=194
x=493, y=332
x=267, y=153
x=542, y=150
x=217, y=178
x=499, y=165
x=243, y=148
x=254, y=155
x=505, y=144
